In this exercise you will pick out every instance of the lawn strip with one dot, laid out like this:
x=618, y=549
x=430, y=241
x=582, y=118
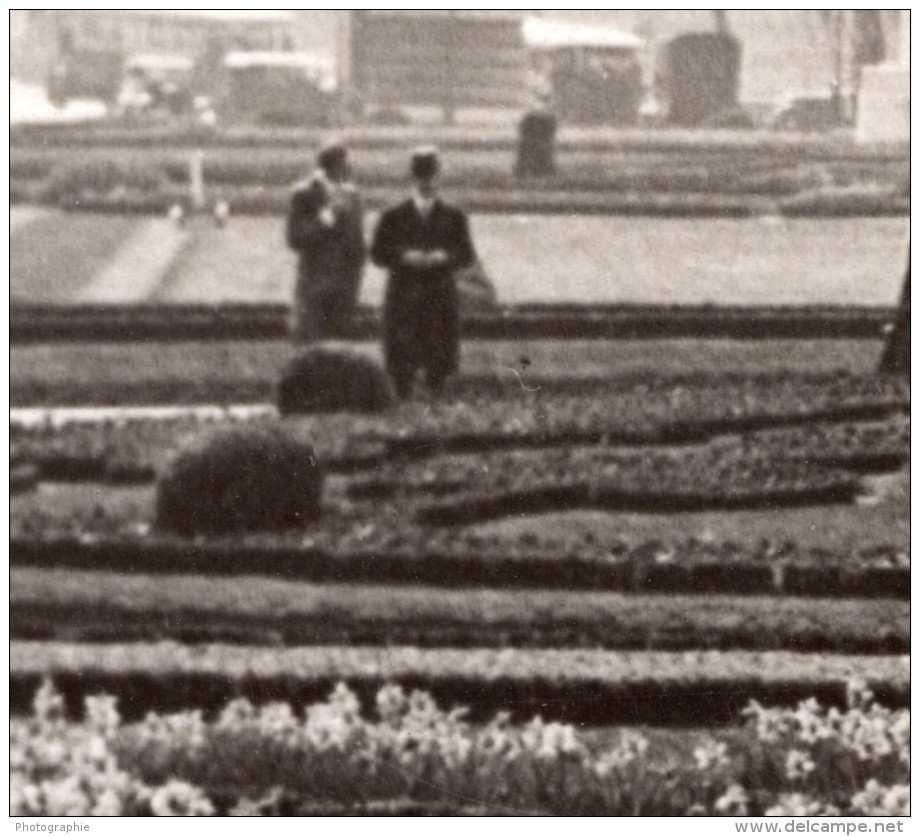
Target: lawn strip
x=233, y=371
x=292, y=562
x=705, y=688
x=107, y=607
x=57, y=255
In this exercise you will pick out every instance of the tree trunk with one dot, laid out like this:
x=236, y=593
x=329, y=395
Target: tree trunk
x=896, y=358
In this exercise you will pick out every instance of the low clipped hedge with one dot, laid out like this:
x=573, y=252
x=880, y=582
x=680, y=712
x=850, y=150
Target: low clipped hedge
x=853, y=201
x=96, y=606
x=258, y=200
x=106, y=178
x=23, y=478
x=697, y=569
x=325, y=380
x=239, y=479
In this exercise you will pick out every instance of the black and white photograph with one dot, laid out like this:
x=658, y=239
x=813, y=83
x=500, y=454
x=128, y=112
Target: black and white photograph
x=460, y=413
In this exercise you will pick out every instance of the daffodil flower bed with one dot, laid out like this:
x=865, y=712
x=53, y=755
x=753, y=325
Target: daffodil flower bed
x=251, y=760
x=590, y=686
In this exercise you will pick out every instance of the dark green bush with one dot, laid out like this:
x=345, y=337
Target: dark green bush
x=240, y=479
x=323, y=380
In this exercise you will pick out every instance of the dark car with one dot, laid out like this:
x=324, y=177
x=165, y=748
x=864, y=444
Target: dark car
x=808, y=114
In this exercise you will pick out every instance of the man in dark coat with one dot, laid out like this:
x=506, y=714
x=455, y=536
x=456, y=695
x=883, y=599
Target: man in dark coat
x=325, y=226
x=422, y=242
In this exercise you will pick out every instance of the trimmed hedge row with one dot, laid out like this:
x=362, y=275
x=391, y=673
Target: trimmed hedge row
x=194, y=392
x=609, y=171
x=819, y=489
x=34, y=323
x=24, y=477
x=662, y=432
x=706, y=688
x=161, y=555
x=258, y=200
x=454, y=139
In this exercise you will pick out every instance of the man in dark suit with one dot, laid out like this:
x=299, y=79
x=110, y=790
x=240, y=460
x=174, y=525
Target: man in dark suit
x=422, y=242
x=325, y=227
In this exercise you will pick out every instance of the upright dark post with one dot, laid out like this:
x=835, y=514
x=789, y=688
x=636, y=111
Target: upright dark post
x=896, y=359
x=537, y=147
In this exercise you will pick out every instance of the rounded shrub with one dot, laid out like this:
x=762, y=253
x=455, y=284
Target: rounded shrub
x=239, y=479
x=323, y=380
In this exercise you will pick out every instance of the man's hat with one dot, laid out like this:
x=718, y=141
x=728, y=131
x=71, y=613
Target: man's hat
x=425, y=162
x=332, y=155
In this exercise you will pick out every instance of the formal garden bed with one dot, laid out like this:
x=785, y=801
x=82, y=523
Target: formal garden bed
x=413, y=756
x=658, y=175
x=670, y=610
x=596, y=687
x=641, y=559
x=407, y=489
x=827, y=417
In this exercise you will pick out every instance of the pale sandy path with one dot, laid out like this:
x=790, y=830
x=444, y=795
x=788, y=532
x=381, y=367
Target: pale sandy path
x=854, y=261
x=21, y=216
x=141, y=263
x=60, y=415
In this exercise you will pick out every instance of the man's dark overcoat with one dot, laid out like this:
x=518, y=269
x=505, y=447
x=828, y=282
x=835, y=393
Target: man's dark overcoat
x=421, y=313
x=331, y=258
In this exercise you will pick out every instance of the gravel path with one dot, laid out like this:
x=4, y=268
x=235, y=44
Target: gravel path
x=541, y=258
x=139, y=266
x=21, y=216
x=58, y=416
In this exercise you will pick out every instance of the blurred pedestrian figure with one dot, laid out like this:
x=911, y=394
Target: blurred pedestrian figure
x=422, y=242
x=325, y=226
